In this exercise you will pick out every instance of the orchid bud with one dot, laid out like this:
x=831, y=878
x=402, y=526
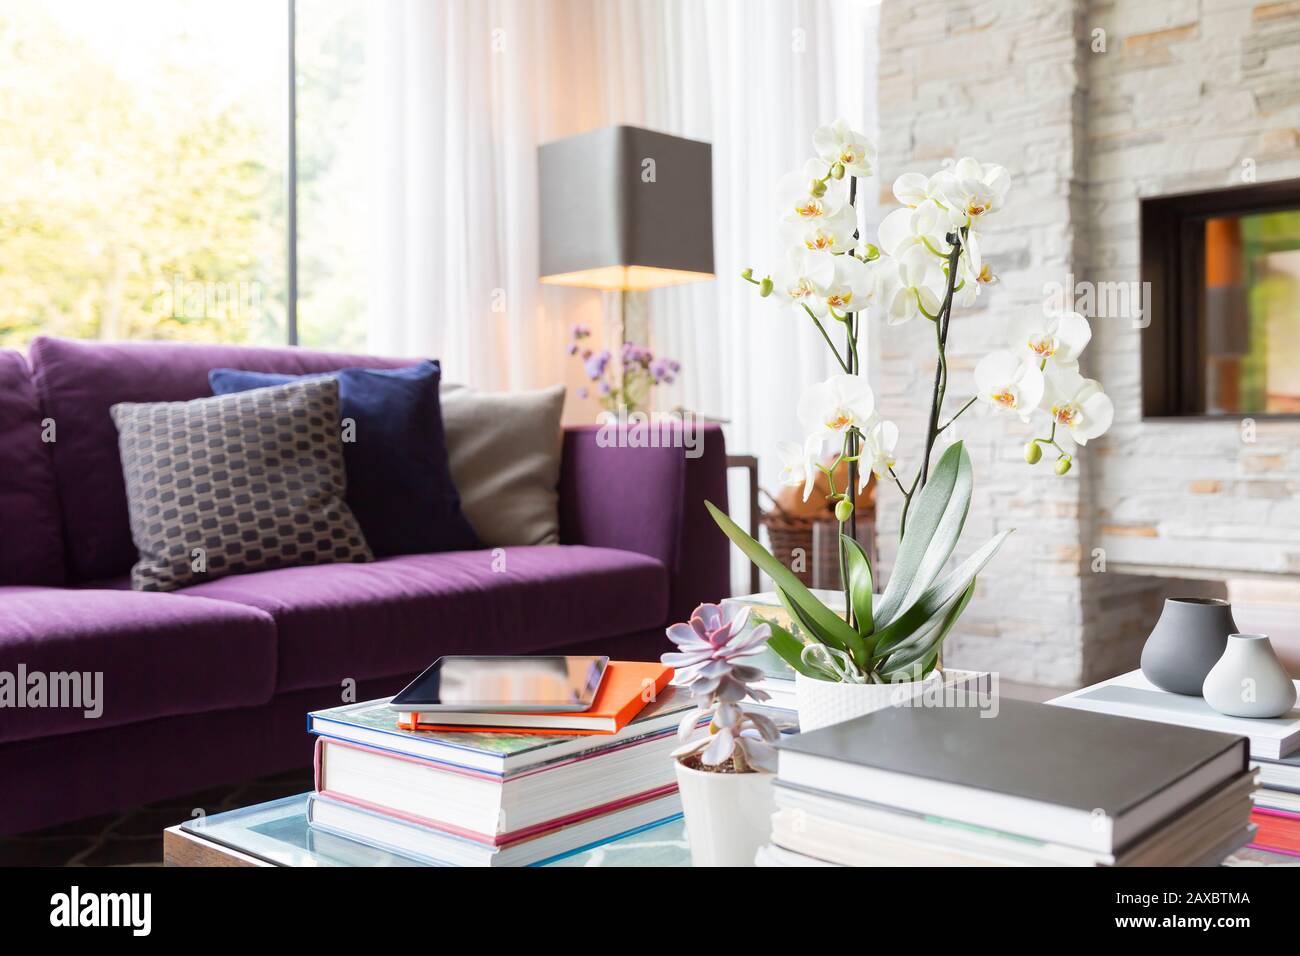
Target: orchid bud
x=837, y=171
x=1033, y=454
x=843, y=510
x=817, y=188
x=873, y=252
x=765, y=287
x=1062, y=465
x=747, y=274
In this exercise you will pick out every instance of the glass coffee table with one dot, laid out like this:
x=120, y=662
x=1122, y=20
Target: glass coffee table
x=277, y=834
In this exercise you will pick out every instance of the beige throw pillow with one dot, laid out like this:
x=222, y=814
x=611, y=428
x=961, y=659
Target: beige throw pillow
x=504, y=449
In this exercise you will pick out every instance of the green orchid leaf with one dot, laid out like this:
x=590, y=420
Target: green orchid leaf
x=854, y=646
x=934, y=523
x=918, y=656
x=789, y=648
x=826, y=621
x=918, y=670
x=938, y=599
x=860, y=582
x=809, y=626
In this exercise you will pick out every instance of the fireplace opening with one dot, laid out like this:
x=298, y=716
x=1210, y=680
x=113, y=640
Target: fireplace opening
x=1223, y=268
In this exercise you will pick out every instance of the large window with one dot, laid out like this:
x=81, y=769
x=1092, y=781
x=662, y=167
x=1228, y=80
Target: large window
x=145, y=151
x=333, y=196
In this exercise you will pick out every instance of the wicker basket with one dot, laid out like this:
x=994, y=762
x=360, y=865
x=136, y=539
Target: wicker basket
x=809, y=547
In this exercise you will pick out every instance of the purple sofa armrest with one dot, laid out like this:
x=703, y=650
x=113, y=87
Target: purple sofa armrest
x=651, y=500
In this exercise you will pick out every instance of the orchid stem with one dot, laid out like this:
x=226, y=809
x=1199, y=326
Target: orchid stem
x=941, y=366
x=822, y=329
x=958, y=415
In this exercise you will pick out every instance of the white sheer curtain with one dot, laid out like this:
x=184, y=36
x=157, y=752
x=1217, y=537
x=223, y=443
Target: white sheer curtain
x=463, y=91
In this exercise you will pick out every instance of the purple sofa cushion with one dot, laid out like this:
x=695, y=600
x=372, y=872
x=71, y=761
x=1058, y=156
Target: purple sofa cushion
x=629, y=495
x=160, y=655
x=31, y=542
x=79, y=381
x=398, y=615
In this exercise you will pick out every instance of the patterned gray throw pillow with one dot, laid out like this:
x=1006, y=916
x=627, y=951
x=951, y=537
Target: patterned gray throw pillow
x=236, y=483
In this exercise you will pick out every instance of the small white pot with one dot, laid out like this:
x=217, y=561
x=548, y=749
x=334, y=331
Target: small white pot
x=1249, y=680
x=728, y=815
x=822, y=702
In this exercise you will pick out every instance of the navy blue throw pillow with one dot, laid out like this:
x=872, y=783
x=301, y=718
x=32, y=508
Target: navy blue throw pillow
x=399, y=483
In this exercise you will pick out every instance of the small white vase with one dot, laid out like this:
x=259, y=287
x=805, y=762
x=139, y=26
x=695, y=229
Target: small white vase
x=728, y=815
x=1249, y=680
x=823, y=702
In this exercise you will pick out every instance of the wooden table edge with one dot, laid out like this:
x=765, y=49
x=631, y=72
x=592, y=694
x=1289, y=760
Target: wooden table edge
x=182, y=848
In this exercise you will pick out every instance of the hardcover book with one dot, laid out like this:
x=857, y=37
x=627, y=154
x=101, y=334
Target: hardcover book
x=440, y=848
x=373, y=724
x=1049, y=773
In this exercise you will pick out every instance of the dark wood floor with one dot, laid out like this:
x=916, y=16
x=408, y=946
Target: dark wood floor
x=134, y=838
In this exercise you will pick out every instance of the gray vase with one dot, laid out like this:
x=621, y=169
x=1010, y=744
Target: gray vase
x=1187, y=642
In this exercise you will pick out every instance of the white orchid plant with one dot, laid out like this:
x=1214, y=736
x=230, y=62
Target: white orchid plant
x=926, y=261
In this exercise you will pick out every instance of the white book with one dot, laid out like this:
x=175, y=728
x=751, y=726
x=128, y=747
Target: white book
x=772, y=855
x=374, y=724
x=438, y=847
x=1278, y=800
x=1132, y=695
x=480, y=806
x=859, y=833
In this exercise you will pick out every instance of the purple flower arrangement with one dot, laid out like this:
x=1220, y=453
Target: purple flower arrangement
x=640, y=372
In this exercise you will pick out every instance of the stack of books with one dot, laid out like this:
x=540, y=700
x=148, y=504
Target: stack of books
x=1274, y=747
x=1277, y=804
x=1032, y=785
x=500, y=797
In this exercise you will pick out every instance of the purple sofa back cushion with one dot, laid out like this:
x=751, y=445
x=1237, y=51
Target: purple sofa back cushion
x=31, y=542
x=78, y=382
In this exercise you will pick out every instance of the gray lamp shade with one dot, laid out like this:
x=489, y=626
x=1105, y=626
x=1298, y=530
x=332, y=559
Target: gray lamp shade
x=626, y=208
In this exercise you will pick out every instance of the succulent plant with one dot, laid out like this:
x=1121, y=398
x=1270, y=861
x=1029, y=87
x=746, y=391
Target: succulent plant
x=708, y=664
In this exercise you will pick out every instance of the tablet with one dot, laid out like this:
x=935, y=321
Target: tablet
x=505, y=684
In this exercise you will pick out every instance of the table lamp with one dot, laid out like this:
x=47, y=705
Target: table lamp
x=625, y=209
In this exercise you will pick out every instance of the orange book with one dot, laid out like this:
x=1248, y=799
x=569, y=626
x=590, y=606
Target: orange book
x=626, y=688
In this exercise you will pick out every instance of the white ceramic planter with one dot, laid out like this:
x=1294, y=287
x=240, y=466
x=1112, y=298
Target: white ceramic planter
x=822, y=702
x=728, y=815
x=1249, y=680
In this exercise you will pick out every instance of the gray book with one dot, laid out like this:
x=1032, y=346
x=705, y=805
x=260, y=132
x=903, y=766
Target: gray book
x=1049, y=773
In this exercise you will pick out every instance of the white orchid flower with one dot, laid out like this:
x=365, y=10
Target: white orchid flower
x=1078, y=404
x=909, y=284
x=924, y=225
x=971, y=189
x=829, y=233
x=880, y=440
x=839, y=143
x=802, y=280
x=853, y=286
x=797, y=200
x=912, y=189
x=973, y=273
x=829, y=409
x=1009, y=382
x=799, y=462
x=1056, y=338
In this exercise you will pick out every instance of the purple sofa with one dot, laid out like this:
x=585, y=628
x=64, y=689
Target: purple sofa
x=210, y=684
